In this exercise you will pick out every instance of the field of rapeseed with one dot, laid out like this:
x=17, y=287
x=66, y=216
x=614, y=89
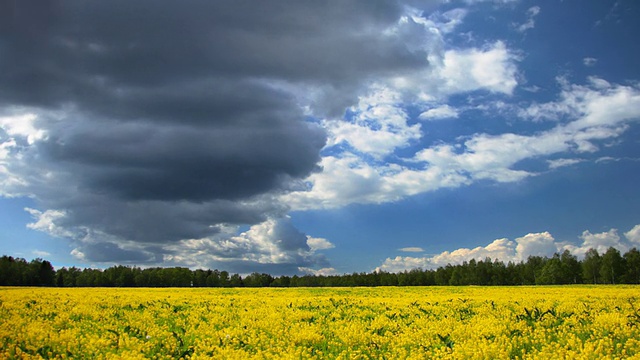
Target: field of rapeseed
x=343, y=323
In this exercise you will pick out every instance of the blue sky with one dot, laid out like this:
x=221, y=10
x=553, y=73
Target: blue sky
x=303, y=138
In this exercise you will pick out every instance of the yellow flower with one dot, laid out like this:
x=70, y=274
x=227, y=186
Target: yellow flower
x=341, y=323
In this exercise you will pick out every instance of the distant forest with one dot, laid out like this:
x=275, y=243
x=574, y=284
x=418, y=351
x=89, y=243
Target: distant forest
x=608, y=268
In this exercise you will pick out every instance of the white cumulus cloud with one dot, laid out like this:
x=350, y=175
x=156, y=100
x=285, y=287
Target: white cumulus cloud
x=48, y=222
x=379, y=124
x=319, y=243
x=599, y=241
x=441, y=112
x=491, y=68
x=23, y=126
x=535, y=244
x=633, y=235
x=532, y=244
x=586, y=115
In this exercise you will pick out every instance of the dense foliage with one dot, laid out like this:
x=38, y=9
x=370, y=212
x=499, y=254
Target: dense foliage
x=608, y=268
x=477, y=322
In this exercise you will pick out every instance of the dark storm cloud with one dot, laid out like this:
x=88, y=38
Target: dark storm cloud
x=196, y=68
x=109, y=252
x=164, y=119
x=143, y=160
x=159, y=221
x=85, y=49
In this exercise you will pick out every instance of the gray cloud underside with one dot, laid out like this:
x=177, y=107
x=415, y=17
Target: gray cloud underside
x=163, y=222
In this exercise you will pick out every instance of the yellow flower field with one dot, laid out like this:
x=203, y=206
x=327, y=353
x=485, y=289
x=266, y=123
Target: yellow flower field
x=590, y=322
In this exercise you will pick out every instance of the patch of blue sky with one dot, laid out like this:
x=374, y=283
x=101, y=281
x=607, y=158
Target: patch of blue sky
x=20, y=241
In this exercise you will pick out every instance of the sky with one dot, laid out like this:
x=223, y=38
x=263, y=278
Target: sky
x=299, y=137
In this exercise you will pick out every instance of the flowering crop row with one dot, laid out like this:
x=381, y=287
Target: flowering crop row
x=587, y=322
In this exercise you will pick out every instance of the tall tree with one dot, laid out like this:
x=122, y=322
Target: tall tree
x=611, y=266
x=46, y=273
x=532, y=269
x=224, y=278
x=632, y=260
x=67, y=277
x=213, y=279
x=456, y=276
x=499, y=276
x=235, y=280
x=591, y=266
x=470, y=276
x=551, y=272
x=9, y=274
x=570, y=268
x=200, y=277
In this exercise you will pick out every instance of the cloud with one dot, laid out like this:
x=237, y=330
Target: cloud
x=378, y=127
x=497, y=2
x=441, y=112
x=319, y=272
x=379, y=123
x=218, y=135
x=411, y=249
x=533, y=244
x=589, y=61
x=399, y=264
x=348, y=179
x=196, y=41
x=143, y=160
x=558, y=163
x=319, y=243
x=609, y=238
x=22, y=126
x=274, y=246
x=48, y=222
x=106, y=252
x=633, y=235
x=487, y=157
x=532, y=88
x=600, y=241
x=498, y=249
x=138, y=126
x=532, y=12
x=40, y=253
x=153, y=132
x=491, y=68
x=445, y=22
x=585, y=115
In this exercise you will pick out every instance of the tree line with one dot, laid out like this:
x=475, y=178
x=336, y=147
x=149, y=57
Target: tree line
x=562, y=268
